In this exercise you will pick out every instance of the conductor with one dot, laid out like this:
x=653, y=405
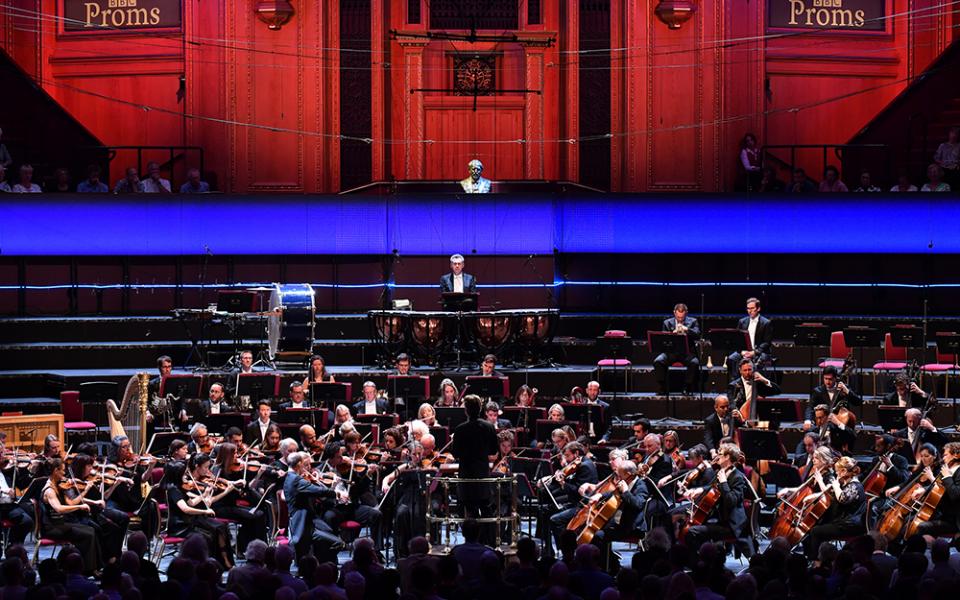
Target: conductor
x=474, y=443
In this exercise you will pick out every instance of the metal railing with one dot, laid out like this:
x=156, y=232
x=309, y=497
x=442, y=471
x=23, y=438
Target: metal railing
x=849, y=158
x=174, y=154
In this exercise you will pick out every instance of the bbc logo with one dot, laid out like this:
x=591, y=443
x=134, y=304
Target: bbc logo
x=123, y=3
x=816, y=3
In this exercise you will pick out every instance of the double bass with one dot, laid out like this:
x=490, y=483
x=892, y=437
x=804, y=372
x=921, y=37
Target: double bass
x=796, y=515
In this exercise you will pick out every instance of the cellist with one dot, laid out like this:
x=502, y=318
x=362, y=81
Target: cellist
x=728, y=517
x=629, y=518
x=848, y=506
x=945, y=520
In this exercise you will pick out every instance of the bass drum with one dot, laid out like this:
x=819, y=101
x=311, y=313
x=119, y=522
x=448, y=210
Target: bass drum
x=291, y=321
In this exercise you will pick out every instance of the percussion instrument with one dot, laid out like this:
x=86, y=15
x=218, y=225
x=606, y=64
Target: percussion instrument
x=491, y=330
x=291, y=320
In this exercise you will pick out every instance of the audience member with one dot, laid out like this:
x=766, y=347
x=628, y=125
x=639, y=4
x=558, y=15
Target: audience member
x=866, y=184
x=5, y=159
x=831, y=183
x=26, y=185
x=283, y=559
x=903, y=184
x=769, y=182
x=750, y=161
x=130, y=184
x=934, y=175
x=61, y=181
x=587, y=580
x=800, y=183
x=92, y=184
x=154, y=184
x=194, y=185
x=4, y=185
x=947, y=157
x=469, y=553
x=419, y=555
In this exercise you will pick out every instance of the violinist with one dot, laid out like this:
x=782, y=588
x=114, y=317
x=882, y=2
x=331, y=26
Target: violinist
x=671, y=447
x=577, y=469
x=656, y=466
x=189, y=502
x=271, y=441
x=405, y=486
x=491, y=413
x=558, y=440
x=831, y=392
x=233, y=473
x=69, y=519
x=177, y=451
x=347, y=460
x=111, y=524
x=309, y=441
x=200, y=440
x=234, y=435
x=720, y=424
x=848, y=506
x=946, y=519
x=393, y=441
x=129, y=499
x=449, y=395
x=727, y=518
x=427, y=414
x=502, y=463
x=307, y=531
x=52, y=448
x=697, y=479
x=10, y=509
x=919, y=431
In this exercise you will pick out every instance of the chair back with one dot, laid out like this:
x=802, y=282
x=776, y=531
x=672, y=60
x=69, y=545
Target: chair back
x=893, y=353
x=838, y=348
x=943, y=358
x=70, y=405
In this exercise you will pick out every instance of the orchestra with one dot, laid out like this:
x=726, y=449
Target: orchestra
x=260, y=473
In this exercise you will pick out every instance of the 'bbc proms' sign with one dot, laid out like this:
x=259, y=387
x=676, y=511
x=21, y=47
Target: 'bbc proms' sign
x=124, y=15
x=844, y=15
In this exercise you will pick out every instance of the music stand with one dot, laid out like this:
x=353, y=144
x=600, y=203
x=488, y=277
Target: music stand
x=460, y=301
x=811, y=335
x=545, y=427
x=369, y=428
x=184, y=386
x=615, y=348
x=949, y=343
x=441, y=435
x=450, y=416
x=93, y=399
x=383, y=421
x=489, y=387
x=907, y=336
x=760, y=444
x=859, y=336
x=224, y=421
x=779, y=411
x=891, y=418
x=407, y=387
x=523, y=416
x=670, y=344
x=160, y=442
x=257, y=386
x=329, y=395
x=585, y=414
x=315, y=417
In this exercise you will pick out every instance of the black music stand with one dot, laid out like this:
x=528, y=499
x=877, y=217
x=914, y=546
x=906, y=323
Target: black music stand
x=183, y=386
x=861, y=337
x=93, y=399
x=329, y=395
x=779, y=411
x=160, y=442
x=585, y=414
x=523, y=416
x=441, y=435
x=760, y=444
x=258, y=386
x=369, y=430
x=891, y=418
x=384, y=421
x=949, y=343
x=545, y=427
x=407, y=387
x=450, y=416
x=224, y=421
x=460, y=301
x=615, y=348
x=729, y=340
x=811, y=335
x=489, y=387
x=315, y=417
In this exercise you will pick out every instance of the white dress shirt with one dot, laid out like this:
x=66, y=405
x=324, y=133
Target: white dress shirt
x=458, y=283
x=263, y=428
x=5, y=497
x=752, y=329
x=370, y=407
x=214, y=408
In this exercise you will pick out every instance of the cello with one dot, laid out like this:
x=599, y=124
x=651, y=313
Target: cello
x=597, y=513
x=700, y=510
x=928, y=505
x=904, y=507
x=798, y=515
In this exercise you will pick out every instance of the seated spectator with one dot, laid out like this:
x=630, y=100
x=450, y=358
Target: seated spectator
x=12, y=572
x=154, y=184
x=469, y=553
x=865, y=183
x=284, y=559
x=934, y=174
x=5, y=159
x=903, y=184
x=4, y=186
x=831, y=183
x=769, y=182
x=588, y=581
x=61, y=181
x=138, y=544
x=92, y=184
x=130, y=184
x=194, y=185
x=800, y=183
x=947, y=157
x=26, y=184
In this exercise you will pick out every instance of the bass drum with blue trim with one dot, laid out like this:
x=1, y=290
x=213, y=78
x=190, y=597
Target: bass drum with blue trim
x=291, y=321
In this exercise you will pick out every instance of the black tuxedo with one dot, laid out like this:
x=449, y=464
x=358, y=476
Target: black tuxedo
x=762, y=343
x=205, y=407
x=819, y=396
x=289, y=404
x=469, y=283
x=730, y=514
x=251, y=433
x=713, y=429
x=737, y=394
x=926, y=437
x=915, y=400
x=383, y=407
x=661, y=364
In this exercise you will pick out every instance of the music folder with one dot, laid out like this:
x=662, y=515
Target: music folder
x=329, y=395
x=669, y=343
x=185, y=386
x=489, y=387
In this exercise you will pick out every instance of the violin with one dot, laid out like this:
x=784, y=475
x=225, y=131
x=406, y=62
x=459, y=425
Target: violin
x=647, y=463
x=502, y=467
x=208, y=446
x=439, y=458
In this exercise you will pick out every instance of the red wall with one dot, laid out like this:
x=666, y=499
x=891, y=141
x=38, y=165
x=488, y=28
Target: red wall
x=680, y=101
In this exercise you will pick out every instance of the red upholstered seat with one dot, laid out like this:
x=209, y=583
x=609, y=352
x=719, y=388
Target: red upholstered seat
x=888, y=366
x=78, y=425
x=838, y=351
x=614, y=333
x=894, y=357
x=613, y=362
x=170, y=540
x=937, y=367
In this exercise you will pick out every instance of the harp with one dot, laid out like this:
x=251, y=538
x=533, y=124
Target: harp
x=130, y=418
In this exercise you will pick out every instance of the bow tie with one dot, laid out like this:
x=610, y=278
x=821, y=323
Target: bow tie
x=747, y=382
